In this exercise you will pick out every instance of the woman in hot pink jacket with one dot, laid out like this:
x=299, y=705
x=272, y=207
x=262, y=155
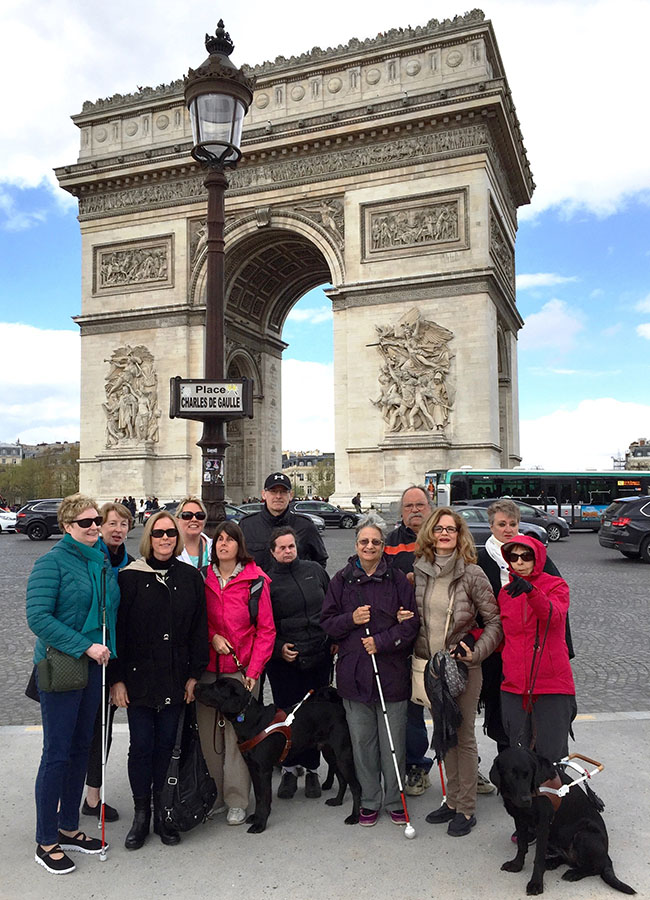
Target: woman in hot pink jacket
x=231, y=574
x=538, y=691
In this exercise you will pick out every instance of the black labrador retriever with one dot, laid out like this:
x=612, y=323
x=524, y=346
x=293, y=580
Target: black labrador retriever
x=319, y=722
x=572, y=833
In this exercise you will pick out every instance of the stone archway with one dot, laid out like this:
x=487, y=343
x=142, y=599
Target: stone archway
x=391, y=168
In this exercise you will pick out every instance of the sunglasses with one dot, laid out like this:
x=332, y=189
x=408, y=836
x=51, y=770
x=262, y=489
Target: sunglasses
x=187, y=515
x=526, y=556
x=86, y=523
x=438, y=529
x=161, y=532
x=366, y=541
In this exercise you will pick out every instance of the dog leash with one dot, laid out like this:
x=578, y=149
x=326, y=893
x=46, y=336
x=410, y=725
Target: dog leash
x=534, y=672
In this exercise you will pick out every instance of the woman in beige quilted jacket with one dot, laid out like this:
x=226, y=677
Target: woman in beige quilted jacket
x=454, y=599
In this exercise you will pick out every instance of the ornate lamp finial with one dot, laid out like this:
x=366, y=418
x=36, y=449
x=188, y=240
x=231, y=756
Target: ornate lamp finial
x=221, y=42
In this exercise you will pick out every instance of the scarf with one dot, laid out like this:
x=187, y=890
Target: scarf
x=96, y=565
x=493, y=548
x=116, y=560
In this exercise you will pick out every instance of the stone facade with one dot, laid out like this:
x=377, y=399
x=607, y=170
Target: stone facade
x=391, y=168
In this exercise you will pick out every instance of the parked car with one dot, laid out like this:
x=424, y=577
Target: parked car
x=257, y=505
x=232, y=512
x=332, y=515
x=556, y=527
x=7, y=520
x=626, y=527
x=37, y=519
x=477, y=520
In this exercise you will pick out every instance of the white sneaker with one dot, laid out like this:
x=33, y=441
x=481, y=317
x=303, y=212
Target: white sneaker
x=483, y=784
x=236, y=816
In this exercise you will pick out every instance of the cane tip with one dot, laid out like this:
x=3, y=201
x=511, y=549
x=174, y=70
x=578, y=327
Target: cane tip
x=409, y=832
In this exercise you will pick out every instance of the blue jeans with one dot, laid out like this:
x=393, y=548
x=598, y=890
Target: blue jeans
x=152, y=737
x=68, y=722
x=417, y=739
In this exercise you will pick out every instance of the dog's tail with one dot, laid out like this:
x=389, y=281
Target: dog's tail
x=610, y=878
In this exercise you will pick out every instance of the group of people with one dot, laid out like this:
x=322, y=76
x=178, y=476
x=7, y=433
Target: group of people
x=138, y=509
x=254, y=601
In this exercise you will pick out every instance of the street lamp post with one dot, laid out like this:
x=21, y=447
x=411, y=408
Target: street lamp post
x=218, y=96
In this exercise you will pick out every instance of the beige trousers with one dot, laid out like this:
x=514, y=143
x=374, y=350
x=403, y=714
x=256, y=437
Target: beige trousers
x=461, y=762
x=219, y=745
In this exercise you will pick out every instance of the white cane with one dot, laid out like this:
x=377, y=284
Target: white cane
x=102, y=817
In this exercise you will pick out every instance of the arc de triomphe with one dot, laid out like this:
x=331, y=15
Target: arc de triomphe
x=391, y=168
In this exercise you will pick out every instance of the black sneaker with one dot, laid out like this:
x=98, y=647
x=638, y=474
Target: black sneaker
x=110, y=813
x=460, y=826
x=312, y=786
x=442, y=814
x=60, y=866
x=81, y=842
x=288, y=786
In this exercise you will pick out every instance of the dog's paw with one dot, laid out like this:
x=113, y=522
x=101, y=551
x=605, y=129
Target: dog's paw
x=572, y=875
x=534, y=887
x=352, y=819
x=333, y=801
x=512, y=865
x=256, y=828
x=251, y=819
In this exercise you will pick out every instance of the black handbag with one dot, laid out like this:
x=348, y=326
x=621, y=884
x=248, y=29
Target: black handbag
x=189, y=792
x=59, y=671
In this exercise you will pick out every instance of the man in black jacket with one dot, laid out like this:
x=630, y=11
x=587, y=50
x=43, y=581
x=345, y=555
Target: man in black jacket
x=258, y=527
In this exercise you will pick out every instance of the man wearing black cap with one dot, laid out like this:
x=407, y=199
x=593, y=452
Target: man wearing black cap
x=257, y=527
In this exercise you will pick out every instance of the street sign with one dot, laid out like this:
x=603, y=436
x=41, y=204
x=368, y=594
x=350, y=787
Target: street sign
x=195, y=398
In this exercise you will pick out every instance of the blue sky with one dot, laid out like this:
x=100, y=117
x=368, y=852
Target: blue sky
x=583, y=250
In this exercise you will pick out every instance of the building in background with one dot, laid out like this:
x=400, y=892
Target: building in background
x=638, y=455
x=311, y=473
x=11, y=454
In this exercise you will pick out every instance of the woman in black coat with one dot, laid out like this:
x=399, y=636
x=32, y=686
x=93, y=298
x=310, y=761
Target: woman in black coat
x=301, y=658
x=162, y=650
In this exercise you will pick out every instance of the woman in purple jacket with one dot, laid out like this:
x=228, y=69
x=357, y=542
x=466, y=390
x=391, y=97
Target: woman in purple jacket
x=366, y=596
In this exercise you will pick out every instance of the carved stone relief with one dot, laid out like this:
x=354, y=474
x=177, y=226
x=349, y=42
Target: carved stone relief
x=402, y=228
x=415, y=390
x=501, y=249
x=131, y=407
x=334, y=163
x=133, y=265
x=327, y=212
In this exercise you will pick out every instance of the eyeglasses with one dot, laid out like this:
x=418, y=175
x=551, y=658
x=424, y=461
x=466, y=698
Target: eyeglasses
x=161, y=532
x=526, y=556
x=415, y=506
x=365, y=541
x=86, y=523
x=187, y=515
x=438, y=529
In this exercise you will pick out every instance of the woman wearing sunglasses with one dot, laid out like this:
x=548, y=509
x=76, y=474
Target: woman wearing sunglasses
x=191, y=515
x=66, y=593
x=538, y=691
x=451, y=591
x=162, y=650
x=360, y=614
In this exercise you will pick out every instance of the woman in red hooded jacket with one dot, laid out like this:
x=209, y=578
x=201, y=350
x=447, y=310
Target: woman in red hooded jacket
x=538, y=691
x=228, y=582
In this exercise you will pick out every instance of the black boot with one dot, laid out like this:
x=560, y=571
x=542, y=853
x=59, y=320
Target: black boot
x=140, y=827
x=168, y=835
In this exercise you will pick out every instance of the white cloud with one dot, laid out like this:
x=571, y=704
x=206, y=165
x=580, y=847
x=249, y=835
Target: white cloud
x=89, y=53
x=643, y=305
x=16, y=219
x=541, y=279
x=307, y=405
x=311, y=316
x=643, y=330
x=554, y=327
x=583, y=437
x=39, y=392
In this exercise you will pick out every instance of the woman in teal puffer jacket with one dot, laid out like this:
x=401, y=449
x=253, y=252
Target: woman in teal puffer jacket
x=66, y=592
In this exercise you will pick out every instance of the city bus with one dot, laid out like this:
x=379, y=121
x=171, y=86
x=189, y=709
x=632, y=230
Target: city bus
x=580, y=497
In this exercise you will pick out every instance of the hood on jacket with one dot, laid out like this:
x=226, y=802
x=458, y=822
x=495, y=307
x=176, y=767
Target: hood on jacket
x=533, y=544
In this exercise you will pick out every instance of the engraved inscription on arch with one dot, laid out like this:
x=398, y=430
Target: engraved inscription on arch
x=434, y=223
x=134, y=265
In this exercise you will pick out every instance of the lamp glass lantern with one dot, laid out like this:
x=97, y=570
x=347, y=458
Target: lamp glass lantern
x=217, y=122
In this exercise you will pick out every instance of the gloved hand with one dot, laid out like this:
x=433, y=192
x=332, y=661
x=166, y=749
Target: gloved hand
x=518, y=586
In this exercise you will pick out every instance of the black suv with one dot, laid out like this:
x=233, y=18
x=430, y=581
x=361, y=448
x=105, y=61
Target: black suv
x=625, y=526
x=332, y=515
x=37, y=519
